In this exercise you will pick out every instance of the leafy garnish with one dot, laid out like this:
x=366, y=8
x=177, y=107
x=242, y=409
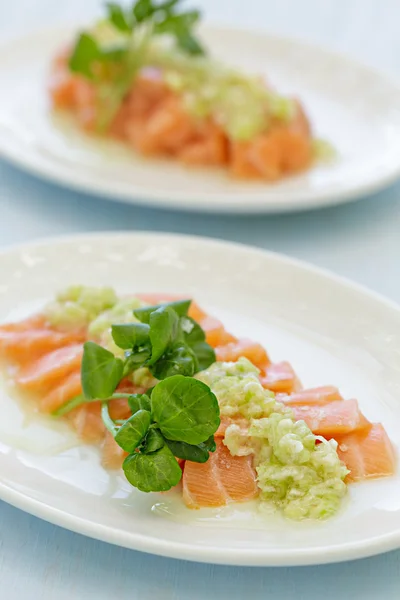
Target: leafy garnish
x=84, y=55
x=153, y=441
x=119, y=17
x=178, y=416
x=112, y=65
x=195, y=453
x=139, y=402
x=131, y=433
x=181, y=308
x=101, y=371
x=185, y=409
x=164, y=330
x=131, y=335
x=167, y=341
x=155, y=472
x=178, y=360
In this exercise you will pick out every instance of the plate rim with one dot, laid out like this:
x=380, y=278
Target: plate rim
x=43, y=169
x=185, y=551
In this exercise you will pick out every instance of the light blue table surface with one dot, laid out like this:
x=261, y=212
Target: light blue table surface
x=361, y=241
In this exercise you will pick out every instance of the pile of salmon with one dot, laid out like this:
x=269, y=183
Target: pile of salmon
x=154, y=121
x=44, y=364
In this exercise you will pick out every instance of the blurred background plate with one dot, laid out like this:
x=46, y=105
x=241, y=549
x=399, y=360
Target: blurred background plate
x=355, y=108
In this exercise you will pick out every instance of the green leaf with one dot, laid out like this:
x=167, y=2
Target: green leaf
x=143, y=9
x=131, y=335
x=166, y=6
x=178, y=360
x=101, y=372
x=136, y=359
x=185, y=409
x=195, y=453
x=155, y=472
x=132, y=432
x=139, y=402
x=195, y=337
x=164, y=330
x=181, y=308
x=118, y=18
x=86, y=51
x=192, y=331
x=154, y=441
x=189, y=44
x=210, y=444
x=178, y=23
x=205, y=355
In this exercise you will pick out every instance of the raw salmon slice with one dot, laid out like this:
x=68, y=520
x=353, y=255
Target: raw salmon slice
x=112, y=454
x=50, y=369
x=21, y=345
x=87, y=422
x=66, y=390
x=222, y=479
x=313, y=396
x=280, y=378
x=119, y=408
x=196, y=313
x=335, y=418
x=253, y=351
x=367, y=454
x=126, y=386
x=33, y=322
x=216, y=335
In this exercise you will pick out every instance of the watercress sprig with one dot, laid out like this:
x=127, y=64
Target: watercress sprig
x=177, y=421
x=112, y=66
x=178, y=416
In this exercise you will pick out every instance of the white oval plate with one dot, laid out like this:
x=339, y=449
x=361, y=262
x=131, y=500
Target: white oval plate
x=330, y=330
x=350, y=105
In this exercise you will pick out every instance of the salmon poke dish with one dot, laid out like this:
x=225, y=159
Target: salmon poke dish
x=178, y=403
x=142, y=76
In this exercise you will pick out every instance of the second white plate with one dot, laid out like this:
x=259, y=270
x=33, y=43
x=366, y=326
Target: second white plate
x=350, y=105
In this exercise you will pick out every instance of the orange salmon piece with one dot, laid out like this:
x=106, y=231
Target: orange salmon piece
x=241, y=165
x=296, y=151
x=119, y=408
x=112, y=454
x=165, y=130
x=368, y=454
x=313, y=396
x=196, y=313
x=253, y=351
x=280, y=378
x=22, y=345
x=216, y=335
x=222, y=479
x=265, y=153
x=335, y=418
x=210, y=147
x=50, y=369
x=33, y=322
x=66, y=390
x=62, y=90
x=87, y=422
